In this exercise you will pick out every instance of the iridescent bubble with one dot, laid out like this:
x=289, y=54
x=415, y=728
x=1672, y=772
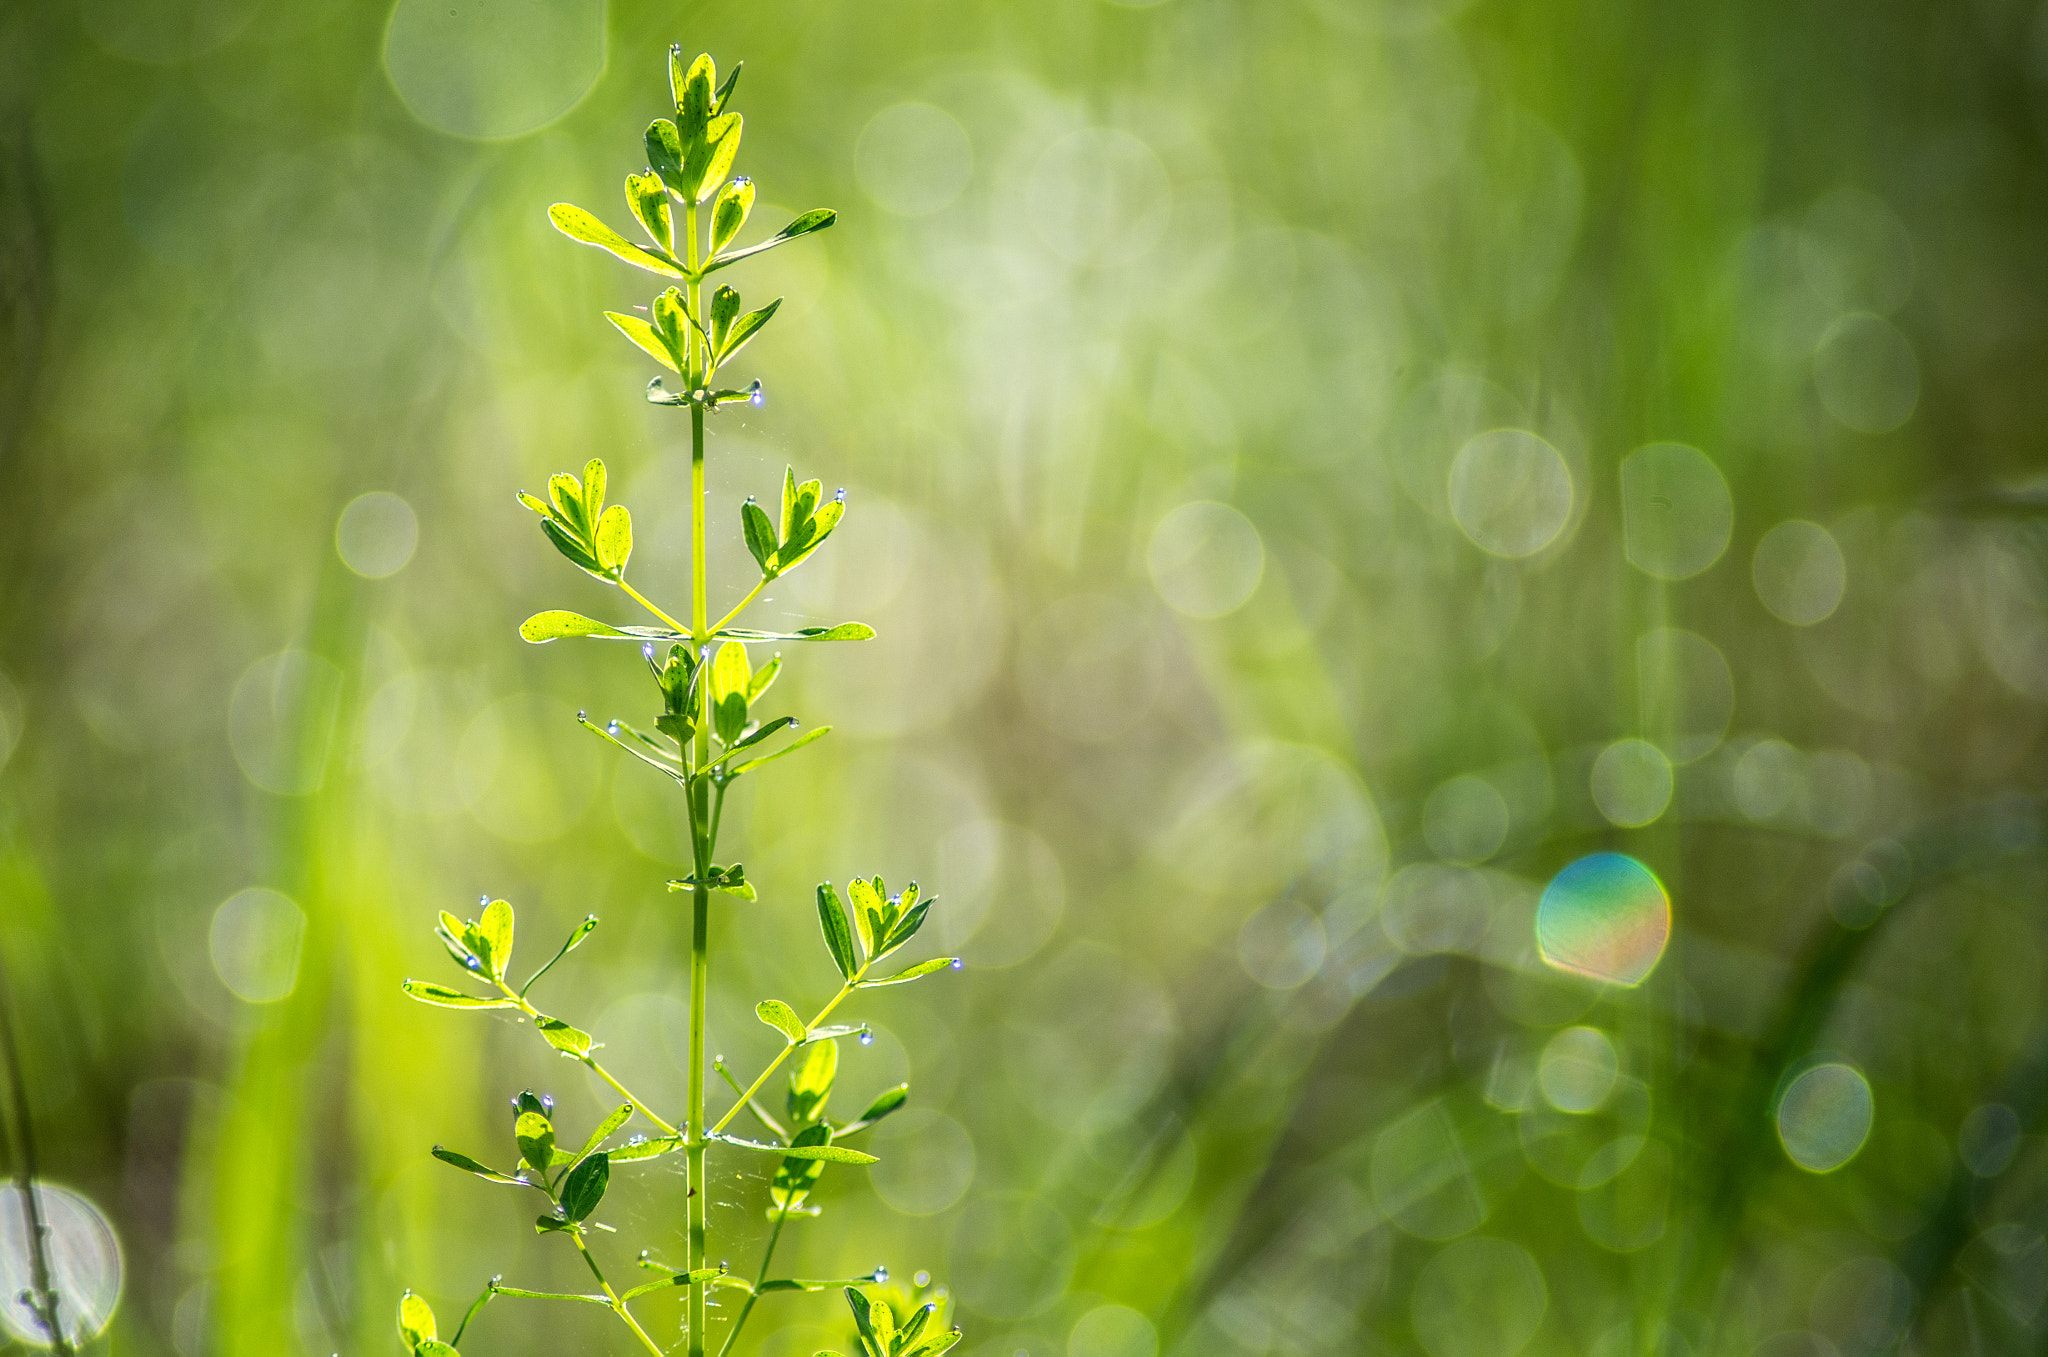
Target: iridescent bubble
x=1799, y=572
x=1479, y=1298
x=1677, y=513
x=1577, y=1069
x=1510, y=492
x=1605, y=916
x=1631, y=783
x=1824, y=1116
x=84, y=1260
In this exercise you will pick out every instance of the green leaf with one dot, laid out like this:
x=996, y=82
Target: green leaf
x=443, y=997
x=665, y=152
x=415, y=1320
x=810, y=1083
x=641, y=333
x=567, y=494
x=760, y=536
x=790, y=494
x=581, y=226
x=584, y=1188
x=551, y=1224
x=434, y=1347
x=536, y=1137
x=725, y=307
x=763, y=676
x=557, y=623
x=907, y=926
x=729, y=212
x=922, y=968
x=761, y=732
x=845, y=631
x=563, y=1037
x=651, y=1148
x=887, y=1102
x=838, y=938
x=933, y=1344
x=571, y=547
x=795, y=1176
x=672, y=325
x=744, y=329
x=725, y=90
x=817, y=219
x=495, y=928
x=831, y=1154
x=593, y=489
x=721, y=146
x=615, y=539
x=863, y=1319
x=919, y=1317
x=605, y=1128
x=731, y=677
x=866, y=899
x=781, y=1017
x=692, y=91
x=810, y=736
x=883, y=1321
x=468, y=1165
x=649, y=201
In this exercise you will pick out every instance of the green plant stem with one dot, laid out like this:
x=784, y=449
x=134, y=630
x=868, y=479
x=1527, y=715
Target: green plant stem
x=618, y=1306
x=42, y=1296
x=767, y=1255
x=738, y=608
x=701, y=829
x=590, y=1062
x=643, y=601
x=776, y=1063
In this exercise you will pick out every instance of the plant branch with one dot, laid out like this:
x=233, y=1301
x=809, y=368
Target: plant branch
x=667, y=621
x=42, y=1293
x=618, y=1306
x=776, y=1063
x=740, y=1321
x=589, y=1062
x=737, y=608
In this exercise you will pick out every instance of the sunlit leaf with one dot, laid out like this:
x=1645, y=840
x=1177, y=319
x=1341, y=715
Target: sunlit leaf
x=781, y=1017
x=649, y=201
x=557, y=623
x=643, y=334
x=817, y=219
x=745, y=328
x=904, y=977
x=615, y=539
x=838, y=937
x=729, y=212
x=536, y=1137
x=605, y=1128
x=814, y=734
x=889, y=1101
x=468, y=1165
x=563, y=1037
x=581, y=226
x=831, y=1154
x=415, y=1320
x=845, y=631
x=584, y=1188
x=444, y=997
x=725, y=308
x=495, y=928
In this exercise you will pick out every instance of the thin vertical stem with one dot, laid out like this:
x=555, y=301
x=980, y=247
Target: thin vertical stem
x=43, y=1297
x=767, y=1256
x=701, y=828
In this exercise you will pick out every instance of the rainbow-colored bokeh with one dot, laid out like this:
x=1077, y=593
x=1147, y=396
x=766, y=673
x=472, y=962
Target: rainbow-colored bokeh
x=1604, y=916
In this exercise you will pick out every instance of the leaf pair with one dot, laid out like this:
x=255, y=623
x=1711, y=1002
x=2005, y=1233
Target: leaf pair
x=575, y=519
x=665, y=338
x=806, y=523
x=694, y=154
x=481, y=947
x=732, y=880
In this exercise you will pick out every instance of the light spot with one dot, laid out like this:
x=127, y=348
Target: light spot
x=254, y=943
x=281, y=721
x=1113, y=1330
x=486, y=69
x=1577, y=1069
x=928, y=1165
x=1099, y=196
x=1510, y=492
x=1465, y=819
x=1989, y=1138
x=1866, y=374
x=84, y=1259
x=913, y=159
x=1205, y=559
x=1631, y=783
x=1687, y=692
x=1282, y=945
x=1605, y=916
x=376, y=534
x=1421, y=1178
x=1677, y=513
x=1800, y=573
x=1824, y=1116
x=1479, y=1298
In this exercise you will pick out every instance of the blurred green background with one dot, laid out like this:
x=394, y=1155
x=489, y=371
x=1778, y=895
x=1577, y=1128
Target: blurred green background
x=1318, y=468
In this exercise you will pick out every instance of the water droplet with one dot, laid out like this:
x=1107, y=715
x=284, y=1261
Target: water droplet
x=1605, y=916
x=840, y=494
x=750, y=499
x=881, y=1274
x=958, y=964
x=867, y=1038
x=580, y=714
x=483, y=901
x=647, y=650
x=756, y=399
x=611, y=727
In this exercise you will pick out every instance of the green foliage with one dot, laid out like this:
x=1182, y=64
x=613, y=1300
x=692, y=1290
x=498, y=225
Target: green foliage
x=708, y=716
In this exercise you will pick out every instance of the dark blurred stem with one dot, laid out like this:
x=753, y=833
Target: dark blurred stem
x=767, y=1256
x=43, y=1295
x=701, y=830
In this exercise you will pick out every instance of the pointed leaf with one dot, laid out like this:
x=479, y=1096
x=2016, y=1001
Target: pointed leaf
x=817, y=219
x=725, y=90
x=468, y=1165
x=708, y=167
x=563, y=1037
x=569, y=546
x=729, y=212
x=845, y=631
x=443, y=997
x=584, y=1188
x=744, y=329
x=693, y=93
x=581, y=226
x=760, y=535
x=641, y=333
x=605, y=1128
x=496, y=930
x=904, y=977
x=763, y=676
x=881, y=1107
x=646, y=1149
x=665, y=152
x=557, y=623
x=906, y=927
x=789, y=501
x=725, y=308
x=781, y=1017
x=831, y=1154
x=838, y=938
x=536, y=1137
x=815, y=733
x=594, y=481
